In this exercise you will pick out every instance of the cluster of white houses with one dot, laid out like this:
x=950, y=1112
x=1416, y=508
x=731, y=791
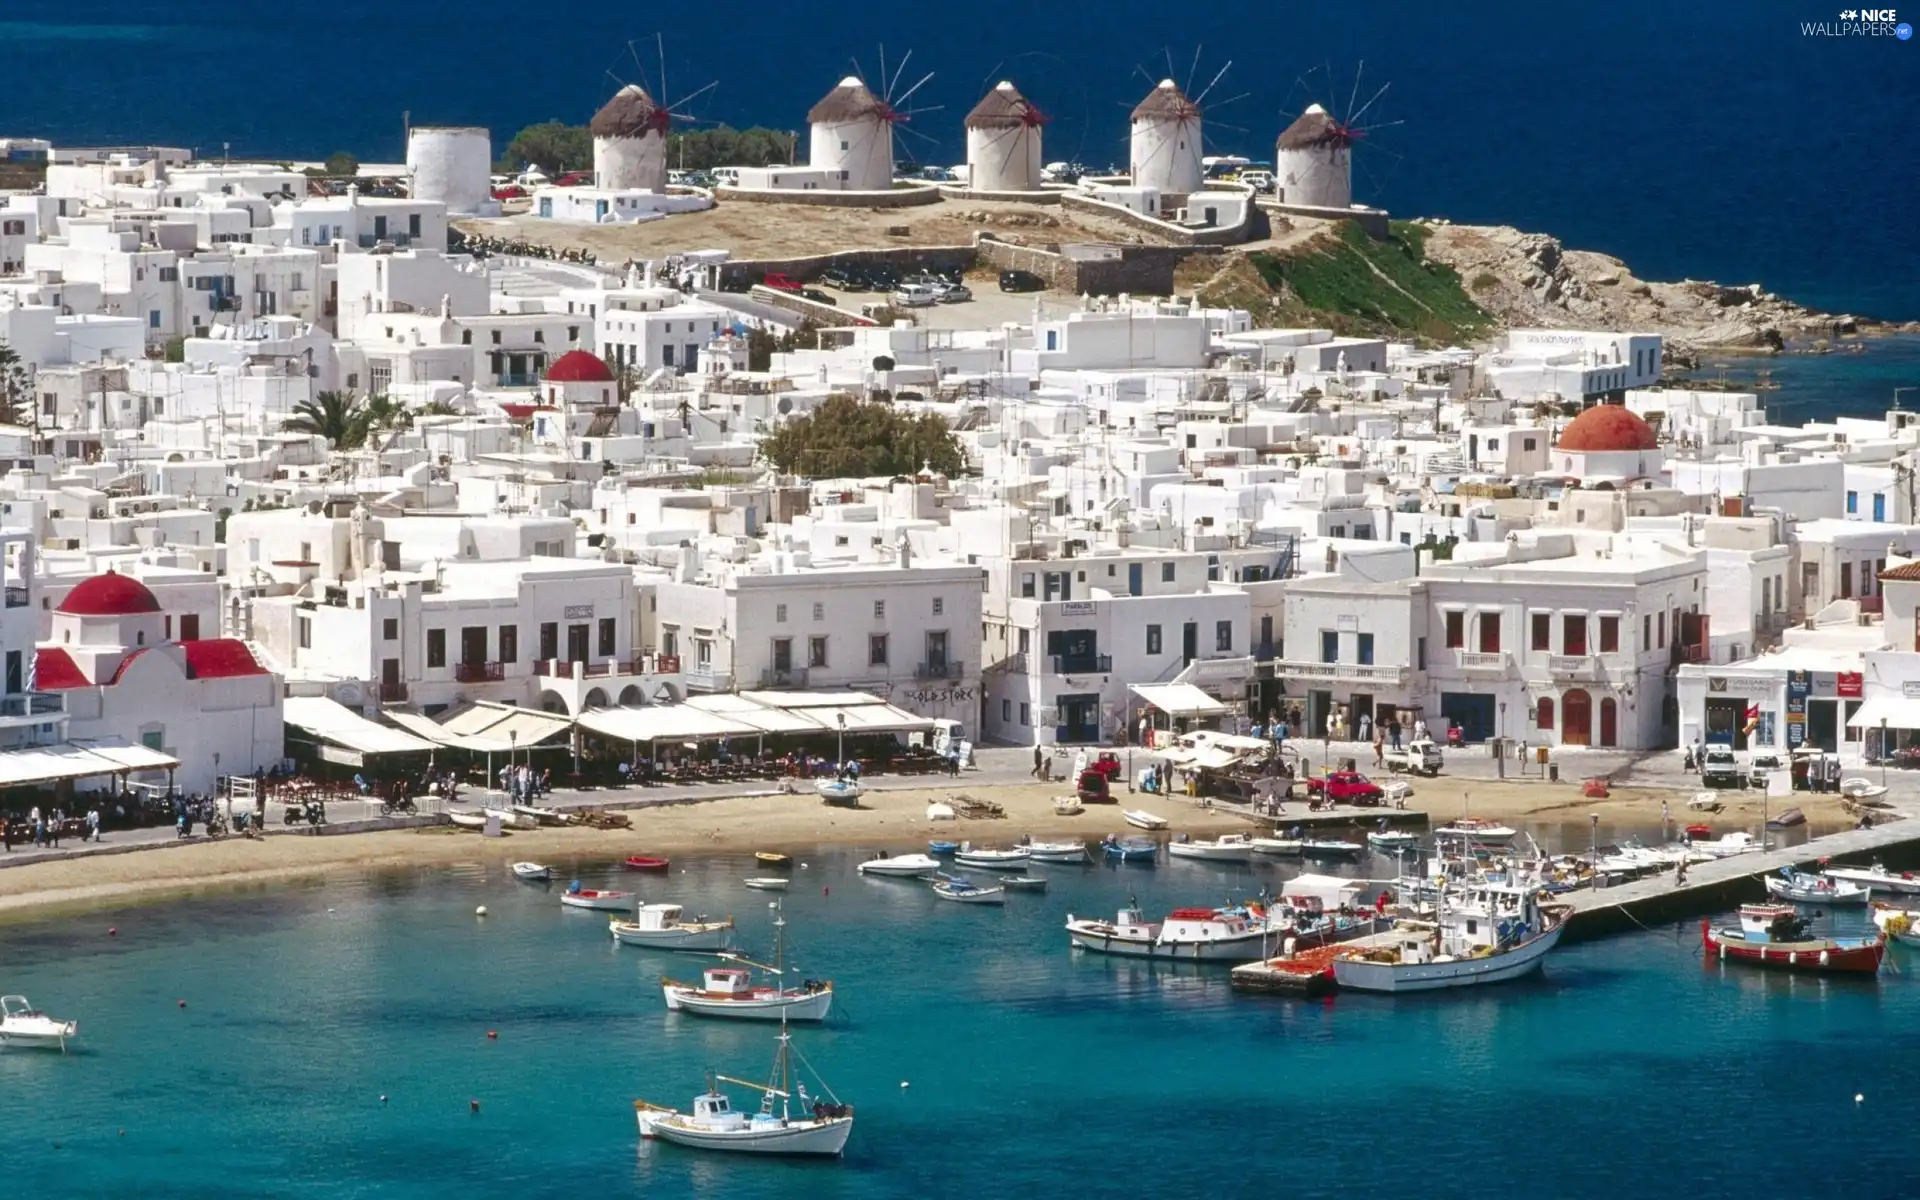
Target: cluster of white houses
x=1164, y=508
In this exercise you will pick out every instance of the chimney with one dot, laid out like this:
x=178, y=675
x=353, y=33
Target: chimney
x=905, y=548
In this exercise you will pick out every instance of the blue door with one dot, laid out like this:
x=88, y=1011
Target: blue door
x=1133, y=579
x=1879, y=507
x=546, y=207
x=600, y=209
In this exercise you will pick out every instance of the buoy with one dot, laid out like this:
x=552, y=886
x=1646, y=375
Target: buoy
x=481, y=911
x=123, y=1133
x=826, y=891
x=492, y=1035
x=383, y=1098
x=182, y=1003
x=905, y=1084
x=1859, y=1097
x=113, y=931
x=473, y=1106
x=803, y=866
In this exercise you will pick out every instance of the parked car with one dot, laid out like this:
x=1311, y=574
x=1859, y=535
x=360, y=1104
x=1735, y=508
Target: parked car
x=1421, y=757
x=915, y=295
x=781, y=282
x=1021, y=281
x=953, y=293
x=1721, y=768
x=882, y=278
x=575, y=179
x=734, y=283
x=1346, y=787
x=818, y=297
x=1760, y=766
x=842, y=278
x=511, y=191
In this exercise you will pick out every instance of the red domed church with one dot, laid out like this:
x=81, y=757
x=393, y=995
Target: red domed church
x=1608, y=441
x=207, y=702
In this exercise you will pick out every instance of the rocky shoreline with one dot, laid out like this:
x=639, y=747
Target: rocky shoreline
x=1531, y=279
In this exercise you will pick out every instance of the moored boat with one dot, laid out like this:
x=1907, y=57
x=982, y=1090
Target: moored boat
x=1475, y=836
x=965, y=891
x=1024, y=883
x=1787, y=819
x=1140, y=818
x=542, y=816
x=601, y=901
x=940, y=847
x=772, y=858
x=467, y=820
x=1058, y=852
x=1187, y=934
x=1276, y=847
x=660, y=927
x=1330, y=848
x=1393, y=841
x=24, y=1026
x=1878, y=878
x=509, y=819
x=1902, y=925
x=845, y=792
x=819, y=1128
x=1130, y=849
x=767, y=883
x=901, y=866
x=1228, y=848
x=992, y=859
x=1068, y=806
x=1482, y=933
x=1778, y=937
x=1728, y=845
x=730, y=991
x=645, y=862
x=1802, y=888
x=532, y=872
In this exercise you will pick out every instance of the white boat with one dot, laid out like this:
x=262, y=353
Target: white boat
x=1058, y=852
x=600, y=901
x=818, y=1128
x=901, y=866
x=1189, y=934
x=730, y=991
x=767, y=883
x=1068, y=806
x=1802, y=888
x=23, y=1025
x=1486, y=933
x=532, y=871
x=1860, y=788
x=1878, y=878
x=1393, y=841
x=1276, y=847
x=936, y=811
x=1228, y=847
x=543, y=816
x=840, y=791
x=1014, y=859
x=467, y=820
x=510, y=819
x=1140, y=818
x=1475, y=836
x=964, y=891
x=1330, y=848
x=659, y=927
x=1900, y=924
x=1728, y=845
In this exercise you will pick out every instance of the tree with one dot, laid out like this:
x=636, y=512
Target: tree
x=553, y=146
x=341, y=164
x=849, y=437
x=339, y=417
x=16, y=388
x=724, y=146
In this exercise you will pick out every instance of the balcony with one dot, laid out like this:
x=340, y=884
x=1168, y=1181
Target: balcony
x=33, y=707
x=783, y=677
x=480, y=672
x=396, y=239
x=1265, y=652
x=705, y=677
x=1082, y=664
x=1352, y=672
x=523, y=379
x=391, y=693
x=606, y=668
x=1480, y=660
x=1575, y=666
x=939, y=670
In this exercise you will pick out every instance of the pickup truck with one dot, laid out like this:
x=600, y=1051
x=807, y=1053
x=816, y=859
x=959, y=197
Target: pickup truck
x=1721, y=768
x=1346, y=787
x=1420, y=758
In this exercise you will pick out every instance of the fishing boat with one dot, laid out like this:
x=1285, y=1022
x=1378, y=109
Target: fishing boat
x=1902, y=925
x=468, y=820
x=1728, y=845
x=767, y=883
x=771, y=858
x=1140, y=818
x=1227, y=848
x=1130, y=850
x=510, y=819
x=532, y=872
x=542, y=816
x=1878, y=878
x=1276, y=847
x=1802, y=888
x=965, y=891
x=1475, y=836
x=845, y=792
x=1483, y=933
x=1068, y=806
x=1188, y=934
x=1393, y=841
x=1330, y=848
x=730, y=991
x=578, y=897
x=1860, y=788
x=819, y=1128
x=1787, y=819
x=1777, y=936
x=24, y=1026
x=937, y=847
x=900, y=866
x=1024, y=883
x=991, y=859
x=645, y=862
x=659, y=927
x=1058, y=852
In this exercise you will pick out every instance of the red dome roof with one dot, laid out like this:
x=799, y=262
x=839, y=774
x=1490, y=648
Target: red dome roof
x=1607, y=427
x=109, y=595
x=220, y=658
x=577, y=366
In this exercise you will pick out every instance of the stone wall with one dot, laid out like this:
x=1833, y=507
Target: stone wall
x=904, y=259
x=830, y=198
x=962, y=192
x=1372, y=220
x=1141, y=270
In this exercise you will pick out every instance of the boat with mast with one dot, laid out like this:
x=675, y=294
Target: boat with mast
x=821, y=1127
x=730, y=991
x=1487, y=933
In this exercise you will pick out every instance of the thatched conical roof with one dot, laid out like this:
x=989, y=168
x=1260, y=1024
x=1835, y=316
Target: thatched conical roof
x=1003, y=108
x=631, y=113
x=1312, y=129
x=1166, y=103
x=850, y=101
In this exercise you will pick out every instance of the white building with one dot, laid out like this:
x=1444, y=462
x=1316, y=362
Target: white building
x=1165, y=146
x=630, y=143
x=1003, y=142
x=852, y=137
x=452, y=165
x=1313, y=161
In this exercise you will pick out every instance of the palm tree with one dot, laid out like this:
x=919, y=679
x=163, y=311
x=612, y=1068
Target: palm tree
x=337, y=416
x=16, y=388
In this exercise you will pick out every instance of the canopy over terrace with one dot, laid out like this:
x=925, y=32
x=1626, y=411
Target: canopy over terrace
x=65, y=762
x=864, y=712
x=753, y=715
x=337, y=734
x=1895, y=712
x=487, y=728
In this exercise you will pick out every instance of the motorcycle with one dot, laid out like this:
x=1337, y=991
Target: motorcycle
x=404, y=804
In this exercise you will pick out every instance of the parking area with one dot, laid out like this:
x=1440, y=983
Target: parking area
x=989, y=307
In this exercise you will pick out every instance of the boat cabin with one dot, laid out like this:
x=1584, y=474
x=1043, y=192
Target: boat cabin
x=1483, y=917
x=657, y=916
x=1770, y=922
x=713, y=1111
x=1201, y=924
x=729, y=981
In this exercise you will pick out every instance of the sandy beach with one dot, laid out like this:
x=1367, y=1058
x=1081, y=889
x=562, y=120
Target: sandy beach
x=891, y=820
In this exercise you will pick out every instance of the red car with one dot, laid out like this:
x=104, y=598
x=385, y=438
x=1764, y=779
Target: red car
x=576, y=179
x=782, y=283
x=511, y=191
x=1346, y=787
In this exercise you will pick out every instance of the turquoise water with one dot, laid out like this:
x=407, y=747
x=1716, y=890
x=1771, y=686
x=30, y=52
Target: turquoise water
x=1819, y=387
x=1627, y=1068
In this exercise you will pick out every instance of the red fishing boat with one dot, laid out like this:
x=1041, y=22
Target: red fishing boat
x=643, y=862
x=1776, y=935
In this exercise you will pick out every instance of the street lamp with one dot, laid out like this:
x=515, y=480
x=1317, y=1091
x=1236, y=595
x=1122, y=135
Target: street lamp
x=840, y=720
x=1595, y=818
x=1883, y=752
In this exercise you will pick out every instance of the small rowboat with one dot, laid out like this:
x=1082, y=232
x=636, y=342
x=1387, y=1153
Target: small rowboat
x=844, y=792
x=770, y=858
x=1329, y=848
x=1024, y=883
x=601, y=900
x=1140, y=818
x=964, y=891
x=532, y=871
x=1068, y=806
x=510, y=819
x=645, y=862
x=775, y=883
x=1787, y=819
x=468, y=820
x=543, y=816
x=942, y=847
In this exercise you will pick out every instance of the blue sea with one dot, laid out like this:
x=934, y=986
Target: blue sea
x=1712, y=141
x=325, y=1040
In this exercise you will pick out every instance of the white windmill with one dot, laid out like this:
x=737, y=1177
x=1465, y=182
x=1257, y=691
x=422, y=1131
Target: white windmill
x=851, y=129
x=1313, y=157
x=1003, y=142
x=630, y=132
x=1165, y=146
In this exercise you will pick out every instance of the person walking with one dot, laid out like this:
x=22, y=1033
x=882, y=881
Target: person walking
x=6, y=832
x=34, y=824
x=93, y=825
x=1379, y=751
x=1038, y=758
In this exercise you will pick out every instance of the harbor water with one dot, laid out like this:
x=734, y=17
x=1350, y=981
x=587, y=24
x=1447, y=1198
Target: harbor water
x=326, y=1040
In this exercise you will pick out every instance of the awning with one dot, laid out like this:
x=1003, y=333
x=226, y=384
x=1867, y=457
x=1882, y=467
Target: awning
x=663, y=723
x=1897, y=712
x=766, y=720
x=1179, y=699
x=488, y=728
x=75, y=760
x=326, y=721
x=863, y=712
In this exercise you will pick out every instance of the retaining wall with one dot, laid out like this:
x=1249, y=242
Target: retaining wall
x=832, y=198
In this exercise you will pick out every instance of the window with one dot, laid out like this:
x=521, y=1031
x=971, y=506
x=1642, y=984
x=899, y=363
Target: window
x=1526, y=443
x=819, y=612
x=780, y=613
x=1646, y=632
x=550, y=640
x=466, y=337
x=1366, y=649
x=1846, y=579
x=940, y=605
x=1542, y=638
x=153, y=319
x=1026, y=585
x=390, y=629
x=609, y=637
x=1456, y=630
x=879, y=610
x=436, y=647
x=1026, y=713
x=1026, y=640
x=1223, y=635
x=1543, y=713
x=509, y=643
x=306, y=633
x=1661, y=628
x=1609, y=635
x=782, y=655
x=1573, y=634
x=1853, y=502
x=1329, y=646
x=1420, y=654
x=540, y=335
x=496, y=337
x=1166, y=572
x=816, y=652
x=1153, y=639
x=876, y=651
x=1489, y=633
x=1006, y=712
x=666, y=356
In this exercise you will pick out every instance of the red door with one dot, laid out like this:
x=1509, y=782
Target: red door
x=1609, y=721
x=1576, y=718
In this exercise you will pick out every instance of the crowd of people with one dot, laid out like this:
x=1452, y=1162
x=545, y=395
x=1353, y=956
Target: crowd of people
x=45, y=827
x=481, y=246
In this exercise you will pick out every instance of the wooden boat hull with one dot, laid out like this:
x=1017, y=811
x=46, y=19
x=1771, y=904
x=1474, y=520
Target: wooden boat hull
x=1024, y=883
x=701, y=936
x=994, y=861
x=1878, y=881
x=769, y=858
x=1242, y=948
x=767, y=884
x=1817, y=956
x=826, y=1137
x=643, y=862
x=1063, y=853
x=1393, y=843
x=532, y=872
x=1362, y=975
x=834, y=791
x=1330, y=849
x=1846, y=895
x=770, y=1005
x=1277, y=847
x=991, y=895
x=1223, y=854
x=907, y=866
x=599, y=901
x=467, y=820
x=511, y=820
x=1141, y=819
x=1787, y=819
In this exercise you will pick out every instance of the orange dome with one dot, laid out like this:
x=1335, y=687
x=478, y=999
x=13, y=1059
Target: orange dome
x=1607, y=427
x=577, y=366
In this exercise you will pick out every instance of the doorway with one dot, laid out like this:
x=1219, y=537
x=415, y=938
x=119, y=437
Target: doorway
x=1576, y=718
x=577, y=643
x=473, y=646
x=1189, y=641
x=1471, y=713
x=1079, y=719
x=1823, y=724
x=1609, y=721
x=1726, y=722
